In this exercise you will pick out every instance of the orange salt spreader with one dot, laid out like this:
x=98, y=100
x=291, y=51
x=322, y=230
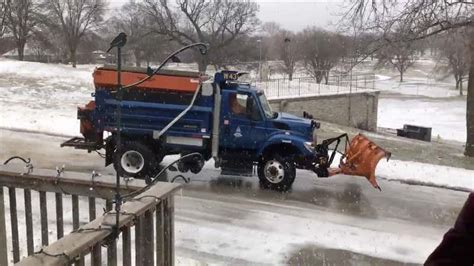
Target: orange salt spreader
x=171, y=80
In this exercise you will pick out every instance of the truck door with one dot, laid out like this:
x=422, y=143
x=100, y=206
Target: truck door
x=243, y=126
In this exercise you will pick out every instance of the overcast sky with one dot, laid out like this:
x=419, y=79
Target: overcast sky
x=291, y=15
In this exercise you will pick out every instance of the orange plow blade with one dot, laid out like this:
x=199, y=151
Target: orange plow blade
x=361, y=158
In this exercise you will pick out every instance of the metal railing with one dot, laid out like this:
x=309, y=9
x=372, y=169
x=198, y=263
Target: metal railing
x=81, y=236
x=307, y=86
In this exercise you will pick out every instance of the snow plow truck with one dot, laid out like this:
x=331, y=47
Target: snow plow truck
x=221, y=118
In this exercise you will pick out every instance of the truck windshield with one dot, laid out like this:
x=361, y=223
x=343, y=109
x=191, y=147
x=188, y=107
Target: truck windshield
x=267, y=109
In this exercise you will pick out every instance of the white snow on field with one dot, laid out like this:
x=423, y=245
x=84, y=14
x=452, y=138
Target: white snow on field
x=51, y=72
x=446, y=117
x=419, y=86
x=423, y=173
x=43, y=97
x=424, y=98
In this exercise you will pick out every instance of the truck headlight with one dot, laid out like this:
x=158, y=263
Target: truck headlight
x=309, y=145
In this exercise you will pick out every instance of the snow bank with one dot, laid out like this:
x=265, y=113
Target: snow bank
x=428, y=174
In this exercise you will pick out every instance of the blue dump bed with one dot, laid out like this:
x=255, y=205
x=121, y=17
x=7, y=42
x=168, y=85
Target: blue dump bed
x=145, y=113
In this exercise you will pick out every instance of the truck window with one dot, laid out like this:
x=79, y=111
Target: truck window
x=238, y=103
x=244, y=105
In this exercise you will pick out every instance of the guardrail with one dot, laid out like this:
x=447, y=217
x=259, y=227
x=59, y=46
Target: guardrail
x=150, y=214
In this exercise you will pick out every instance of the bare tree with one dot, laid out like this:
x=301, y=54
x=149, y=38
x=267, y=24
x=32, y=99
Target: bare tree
x=144, y=45
x=454, y=48
x=20, y=19
x=423, y=19
x=321, y=51
x=400, y=55
x=242, y=49
x=269, y=38
x=217, y=23
x=286, y=44
x=74, y=19
x=270, y=28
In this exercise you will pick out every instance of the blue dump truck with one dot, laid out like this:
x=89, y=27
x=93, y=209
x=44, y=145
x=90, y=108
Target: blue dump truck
x=221, y=118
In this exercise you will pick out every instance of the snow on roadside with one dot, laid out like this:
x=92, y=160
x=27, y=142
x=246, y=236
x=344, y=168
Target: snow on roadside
x=426, y=174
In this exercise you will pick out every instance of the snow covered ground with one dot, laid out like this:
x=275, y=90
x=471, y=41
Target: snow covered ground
x=446, y=116
x=423, y=100
x=43, y=97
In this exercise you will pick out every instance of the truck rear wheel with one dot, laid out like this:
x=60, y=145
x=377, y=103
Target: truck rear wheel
x=134, y=159
x=276, y=173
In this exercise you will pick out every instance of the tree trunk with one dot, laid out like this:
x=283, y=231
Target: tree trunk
x=469, y=151
x=401, y=74
x=319, y=78
x=326, y=77
x=73, y=57
x=21, y=49
x=290, y=76
x=203, y=61
x=458, y=79
x=137, y=58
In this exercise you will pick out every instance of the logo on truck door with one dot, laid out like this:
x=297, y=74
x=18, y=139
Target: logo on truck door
x=238, y=133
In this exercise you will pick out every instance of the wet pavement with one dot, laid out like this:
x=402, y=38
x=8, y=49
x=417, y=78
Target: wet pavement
x=334, y=221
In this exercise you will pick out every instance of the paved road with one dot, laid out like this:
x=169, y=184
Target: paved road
x=229, y=219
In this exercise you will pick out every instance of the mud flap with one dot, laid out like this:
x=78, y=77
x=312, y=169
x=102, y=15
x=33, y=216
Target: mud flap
x=361, y=159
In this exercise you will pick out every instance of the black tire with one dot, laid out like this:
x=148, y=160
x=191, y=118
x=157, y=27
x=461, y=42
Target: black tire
x=135, y=159
x=183, y=167
x=193, y=164
x=280, y=174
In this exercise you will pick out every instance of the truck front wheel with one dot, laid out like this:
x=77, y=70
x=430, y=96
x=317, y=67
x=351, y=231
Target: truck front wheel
x=134, y=159
x=276, y=173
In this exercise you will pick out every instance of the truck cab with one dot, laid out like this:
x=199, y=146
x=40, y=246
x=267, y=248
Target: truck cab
x=251, y=133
